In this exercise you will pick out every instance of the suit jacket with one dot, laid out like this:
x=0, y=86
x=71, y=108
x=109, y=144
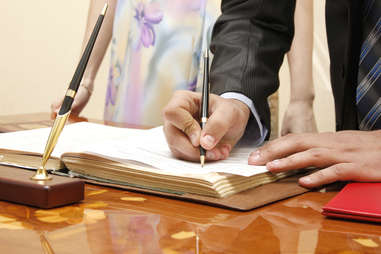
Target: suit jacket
x=343, y=18
x=249, y=41
x=251, y=37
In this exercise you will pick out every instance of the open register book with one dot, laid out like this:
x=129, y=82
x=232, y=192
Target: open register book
x=132, y=157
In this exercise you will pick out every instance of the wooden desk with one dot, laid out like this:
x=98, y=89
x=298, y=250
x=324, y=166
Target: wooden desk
x=116, y=221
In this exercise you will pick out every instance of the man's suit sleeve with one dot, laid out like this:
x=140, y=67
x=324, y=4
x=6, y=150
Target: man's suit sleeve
x=249, y=41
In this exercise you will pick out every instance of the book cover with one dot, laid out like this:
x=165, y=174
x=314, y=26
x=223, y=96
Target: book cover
x=359, y=201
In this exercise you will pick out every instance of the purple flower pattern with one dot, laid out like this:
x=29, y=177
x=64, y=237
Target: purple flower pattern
x=144, y=44
x=111, y=91
x=147, y=16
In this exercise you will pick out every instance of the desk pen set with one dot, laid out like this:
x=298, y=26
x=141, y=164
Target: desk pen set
x=41, y=189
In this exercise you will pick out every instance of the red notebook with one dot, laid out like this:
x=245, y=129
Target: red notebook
x=359, y=201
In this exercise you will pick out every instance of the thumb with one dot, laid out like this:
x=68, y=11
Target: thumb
x=226, y=124
x=215, y=129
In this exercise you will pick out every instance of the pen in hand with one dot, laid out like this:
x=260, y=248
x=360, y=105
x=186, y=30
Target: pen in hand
x=204, y=101
x=65, y=109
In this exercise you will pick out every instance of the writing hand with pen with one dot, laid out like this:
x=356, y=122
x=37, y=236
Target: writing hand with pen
x=225, y=126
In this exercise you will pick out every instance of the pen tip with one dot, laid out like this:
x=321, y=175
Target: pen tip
x=202, y=160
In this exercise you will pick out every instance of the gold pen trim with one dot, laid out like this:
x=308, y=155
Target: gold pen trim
x=55, y=132
x=202, y=160
x=58, y=125
x=71, y=93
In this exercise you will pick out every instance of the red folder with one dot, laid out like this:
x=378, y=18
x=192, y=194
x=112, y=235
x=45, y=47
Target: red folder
x=359, y=201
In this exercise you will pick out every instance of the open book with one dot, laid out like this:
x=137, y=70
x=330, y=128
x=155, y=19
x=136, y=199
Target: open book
x=132, y=157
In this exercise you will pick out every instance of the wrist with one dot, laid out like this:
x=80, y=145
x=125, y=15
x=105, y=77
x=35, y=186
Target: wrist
x=308, y=100
x=87, y=84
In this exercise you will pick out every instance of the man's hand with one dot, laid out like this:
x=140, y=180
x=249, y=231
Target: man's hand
x=226, y=125
x=341, y=156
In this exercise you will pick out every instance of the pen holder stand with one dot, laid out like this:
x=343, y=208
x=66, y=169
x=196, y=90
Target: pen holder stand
x=41, y=175
x=17, y=186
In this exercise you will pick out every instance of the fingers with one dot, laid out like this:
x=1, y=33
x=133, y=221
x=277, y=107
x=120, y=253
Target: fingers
x=179, y=144
x=221, y=121
x=315, y=157
x=225, y=125
x=337, y=172
x=180, y=113
x=287, y=145
x=216, y=127
x=220, y=152
x=181, y=148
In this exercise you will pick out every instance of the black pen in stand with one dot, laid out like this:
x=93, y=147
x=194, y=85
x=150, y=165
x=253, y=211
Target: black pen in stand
x=64, y=112
x=204, y=101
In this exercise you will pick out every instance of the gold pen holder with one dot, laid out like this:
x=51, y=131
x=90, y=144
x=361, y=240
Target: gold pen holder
x=58, y=125
x=41, y=175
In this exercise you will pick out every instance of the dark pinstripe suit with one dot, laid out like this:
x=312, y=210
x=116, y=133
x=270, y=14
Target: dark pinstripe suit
x=251, y=37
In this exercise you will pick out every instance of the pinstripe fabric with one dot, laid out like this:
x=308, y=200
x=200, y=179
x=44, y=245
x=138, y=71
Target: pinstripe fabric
x=368, y=93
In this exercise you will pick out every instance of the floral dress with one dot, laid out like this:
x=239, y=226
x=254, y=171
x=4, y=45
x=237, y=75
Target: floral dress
x=155, y=50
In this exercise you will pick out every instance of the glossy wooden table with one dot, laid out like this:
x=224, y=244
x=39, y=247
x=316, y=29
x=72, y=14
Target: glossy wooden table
x=116, y=221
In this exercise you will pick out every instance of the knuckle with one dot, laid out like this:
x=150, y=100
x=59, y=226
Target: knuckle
x=269, y=152
x=338, y=171
x=321, y=174
x=315, y=153
x=298, y=140
x=168, y=112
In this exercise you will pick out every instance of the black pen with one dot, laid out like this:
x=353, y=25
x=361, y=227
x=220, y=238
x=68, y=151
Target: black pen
x=204, y=101
x=65, y=109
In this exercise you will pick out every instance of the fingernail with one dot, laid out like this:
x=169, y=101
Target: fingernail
x=210, y=155
x=228, y=147
x=306, y=180
x=274, y=163
x=255, y=156
x=193, y=138
x=225, y=152
x=208, y=141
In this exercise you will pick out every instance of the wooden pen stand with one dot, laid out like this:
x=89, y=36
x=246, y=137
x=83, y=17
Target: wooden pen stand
x=17, y=186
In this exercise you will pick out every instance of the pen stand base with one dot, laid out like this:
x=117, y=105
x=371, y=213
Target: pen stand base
x=17, y=186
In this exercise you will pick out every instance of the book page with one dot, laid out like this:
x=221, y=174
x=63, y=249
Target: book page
x=74, y=138
x=150, y=147
x=125, y=144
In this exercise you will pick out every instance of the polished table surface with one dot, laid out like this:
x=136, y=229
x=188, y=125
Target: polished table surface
x=118, y=221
